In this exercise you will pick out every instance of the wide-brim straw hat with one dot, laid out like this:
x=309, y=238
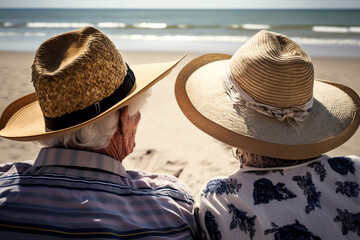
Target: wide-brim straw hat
x=79, y=78
x=274, y=71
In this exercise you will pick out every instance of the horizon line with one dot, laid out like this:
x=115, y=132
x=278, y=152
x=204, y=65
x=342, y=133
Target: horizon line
x=109, y=8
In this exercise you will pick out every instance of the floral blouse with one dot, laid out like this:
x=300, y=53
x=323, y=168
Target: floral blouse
x=315, y=200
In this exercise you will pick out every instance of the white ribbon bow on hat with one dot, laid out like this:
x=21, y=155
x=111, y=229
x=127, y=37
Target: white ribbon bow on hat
x=237, y=95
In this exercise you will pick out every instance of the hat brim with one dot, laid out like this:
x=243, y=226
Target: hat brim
x=23, y=120
x=333, y=120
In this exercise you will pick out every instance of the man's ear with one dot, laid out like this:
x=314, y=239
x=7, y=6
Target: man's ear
x=123, y=119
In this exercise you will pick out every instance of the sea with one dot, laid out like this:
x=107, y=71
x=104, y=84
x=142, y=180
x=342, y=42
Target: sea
x=322, y=33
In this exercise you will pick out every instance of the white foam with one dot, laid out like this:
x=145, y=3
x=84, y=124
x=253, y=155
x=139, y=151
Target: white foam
x=9, y=34
x=57, y=24
x=354, y=29
x=23, y=34
x=193, y=38
x=332, y=41
x=35, y=34
x=150, y=25
x=233, y=39
x=250, y=26
x=235, y=26
x=186, y=38
x=111, y=25
x=8, y=24
x=256, y=26
x=182, y=26
x=330, y=29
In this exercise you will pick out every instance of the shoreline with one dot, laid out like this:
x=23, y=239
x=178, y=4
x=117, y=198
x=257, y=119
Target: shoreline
x=166, y=141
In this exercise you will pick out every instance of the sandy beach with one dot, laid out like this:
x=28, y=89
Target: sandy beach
x=166, y=141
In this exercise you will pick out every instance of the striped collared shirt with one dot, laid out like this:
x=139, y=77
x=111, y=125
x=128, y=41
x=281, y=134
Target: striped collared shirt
x=85, y=195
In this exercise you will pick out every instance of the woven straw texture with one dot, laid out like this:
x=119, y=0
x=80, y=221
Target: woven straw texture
x=23, y=119
x=201, y=96
x=76, y=69
x=274, y=70
x=210, y=99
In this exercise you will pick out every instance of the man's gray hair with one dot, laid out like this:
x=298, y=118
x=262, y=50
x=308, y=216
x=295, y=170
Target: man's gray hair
x=98, y=134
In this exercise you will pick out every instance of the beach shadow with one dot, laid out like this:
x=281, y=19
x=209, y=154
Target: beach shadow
x=151, y=161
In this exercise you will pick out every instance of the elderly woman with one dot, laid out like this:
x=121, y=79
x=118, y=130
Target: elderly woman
x=264, y=102
x=85, y=109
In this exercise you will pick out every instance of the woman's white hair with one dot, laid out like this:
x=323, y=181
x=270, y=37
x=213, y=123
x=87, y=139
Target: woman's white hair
x=255, y=160
x=98, y=134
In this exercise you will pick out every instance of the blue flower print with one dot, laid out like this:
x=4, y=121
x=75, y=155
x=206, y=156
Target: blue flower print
x=342, y=165
x=295, y=231
x=221, y=186
x=265, y=191
x=308, y=187
x=319, y=169
x=239, y=219
x=350, y=221
x=212, y=226
x=350, y=189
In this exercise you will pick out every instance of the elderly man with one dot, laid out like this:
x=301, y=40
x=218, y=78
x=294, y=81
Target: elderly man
x=85, y=109
x=265, y=102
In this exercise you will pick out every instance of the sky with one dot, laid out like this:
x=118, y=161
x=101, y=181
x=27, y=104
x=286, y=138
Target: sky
x=177, y=4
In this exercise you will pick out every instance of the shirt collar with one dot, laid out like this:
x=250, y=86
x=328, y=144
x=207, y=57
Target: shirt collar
x=246, y=168
x=79, y=158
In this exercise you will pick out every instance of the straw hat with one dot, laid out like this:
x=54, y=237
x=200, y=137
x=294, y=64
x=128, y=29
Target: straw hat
x=264, y=99
x=79, y=77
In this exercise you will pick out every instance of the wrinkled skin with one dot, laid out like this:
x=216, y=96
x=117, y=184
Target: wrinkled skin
x=123, y=141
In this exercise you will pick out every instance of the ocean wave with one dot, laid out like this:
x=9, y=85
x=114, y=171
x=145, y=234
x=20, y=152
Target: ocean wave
x=10, y=34
x=57, y=24
x=114, y=25
x=111, y=25
x=225, y=38
x=8, y=24
x=163, y=25
x=23, y=34
x=140, y=25
x=180, y=38
x=335, y=29
x=327, y=41
x=190, y=38
x=354, y=29
x=150, y=25
x=35, y=34
x=250, y=26
x=182, y=26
